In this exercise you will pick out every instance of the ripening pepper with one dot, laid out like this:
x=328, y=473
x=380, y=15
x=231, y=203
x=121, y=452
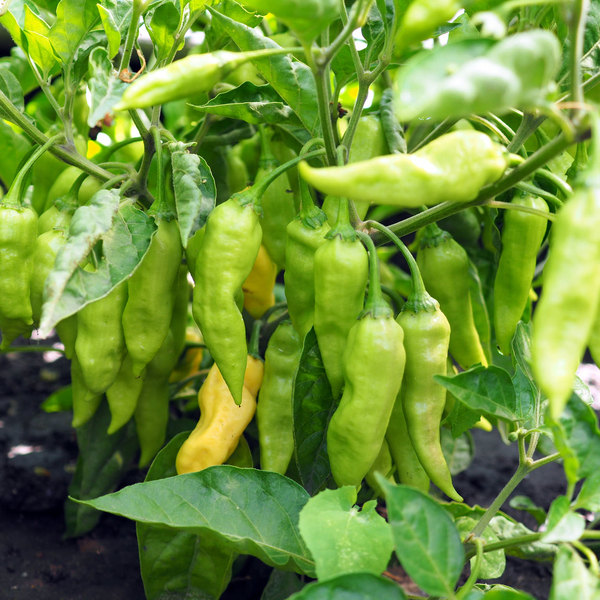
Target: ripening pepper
x=258, y=287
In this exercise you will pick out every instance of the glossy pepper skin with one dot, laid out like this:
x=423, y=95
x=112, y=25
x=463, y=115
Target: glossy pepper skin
x=222, y=421
x=85, y=403
x=258, y=287
x=426, y=340
x=444, y=265
x=357, y=429
x=100, y=343
x=274, y=412
x=231, y=244
x=305, y=235
x=453, y=167
x=123, y=395
x=565, y=314
x=277, y=203
x=149, y=307
x=341, y=272
x=522, y=237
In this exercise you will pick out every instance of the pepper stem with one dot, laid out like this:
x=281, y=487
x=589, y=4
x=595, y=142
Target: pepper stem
x=375, y=306
x=267, y=158
x=160, y=208
x=14, y=196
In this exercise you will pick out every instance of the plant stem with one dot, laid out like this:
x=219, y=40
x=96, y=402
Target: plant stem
x=577, y=22
x=536, y=191
x=132, y=34
x=475, y=570
x=591, y=557
x=533, y=211
x=26, y=349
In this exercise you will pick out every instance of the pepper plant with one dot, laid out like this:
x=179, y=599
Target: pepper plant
x=180, y=177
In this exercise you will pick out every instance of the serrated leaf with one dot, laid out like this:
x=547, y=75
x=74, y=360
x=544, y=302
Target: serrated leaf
x=313, y=407
x=341, y=537
x=75, y=20
x=105, y=86
x=245, y=510
x=562, y=524
x=427, y=542
x=252, y=103
x=126, y=237
x=356, y=586
x=194, y=567
x=458, y=452
x=102, y=462
x=489, y=391
x=195, y=190
x=292, y=79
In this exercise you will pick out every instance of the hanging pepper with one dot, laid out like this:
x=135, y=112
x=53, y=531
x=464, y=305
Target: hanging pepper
x=305, y=235
x=258, y=287
x=85, y=403
x=522, y=237
x=357, y=428
x=444, y=265
x=341, y=273
x=123, y=395
x=60, y=213
x=274, y=412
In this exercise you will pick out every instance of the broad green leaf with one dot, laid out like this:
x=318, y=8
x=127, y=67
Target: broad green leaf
x=162, y=23
x=341, y=537
x=489, y=391
x=38, y=43
x=14, y=148
x=527, y=504
x=75, y=20
x=243, y=510
x=313, y=407
x=251, y=103
x=292, y=79
x=102, y=462
x=59, y=401
x=562, y=524
x=458, y=452
x=281, y=585
x=14, y=21
x=170, y=559
x=426, y=540
x=494, y=563
x=105, y=86
x=571, y=578
x=589, y=496
x=506, y=594
x=507, y=529
x=195, y=190
x=355, y=586
x=126, y=236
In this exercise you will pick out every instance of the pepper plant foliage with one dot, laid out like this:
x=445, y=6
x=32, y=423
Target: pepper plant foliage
x=476, y=118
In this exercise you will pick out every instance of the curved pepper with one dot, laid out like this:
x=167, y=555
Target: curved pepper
x=258, y=287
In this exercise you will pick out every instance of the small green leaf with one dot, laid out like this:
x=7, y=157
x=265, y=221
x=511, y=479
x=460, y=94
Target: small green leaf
x=105, y=86
x=527, y=504
x=563, y=525
x=162, y=23
x=313, y=407
x=571, y=579
x=38, y=43
x=195, y=190
x=507, y=529
x=59, y=401
x=281, y=585
x=494, y=563
x=75, y=20
x=113, y=35
x=243, y=510
x=458, y=452
x=427, y=542
x=506, y=594
x=355, y=586
x=589, y=496
x=341, y=537
x=11, y=88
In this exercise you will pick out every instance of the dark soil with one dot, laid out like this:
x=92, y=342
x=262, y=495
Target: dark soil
x=37, y=458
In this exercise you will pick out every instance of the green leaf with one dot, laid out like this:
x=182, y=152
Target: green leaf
x=243, y=510
x=125, y=235
x=251, y=103
x=589, y=496
x=313, y=407
x=427, y=542
x=242, y=455
x=11, y=88
x=195, y=190
x=59, y=401
x=527, y=504
x=116, y=17
x=507, y=529
x=458, y=452
x=494, y=563
x=281, y=585
x=571, y=579
x=38, y=43
x=102, y=463
x=113, y=35
x=105, y=86
x=162, y=23
x=563, y=525
x=194, y=565
x=356, y=586
x=461, y=419
x=292, y=79
x=341, y=537
x=489, y=391
x=506, y=594
x=14, y=148
x=75, y=20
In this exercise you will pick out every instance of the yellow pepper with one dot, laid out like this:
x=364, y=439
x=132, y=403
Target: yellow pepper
x=190, y=361
x=258, y=287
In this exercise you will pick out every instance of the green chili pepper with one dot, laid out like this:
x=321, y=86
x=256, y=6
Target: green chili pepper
x=444, y=265
x=341, y=273
x=453, y=167
x=522, y=237
x=179, y=320
x=305, y=234
x=85, y=403
x=123, y=395
x=357, y=428
x=237, y=173
x=192, y=251
x=59, y=215
x=65, y=181
x=274, y=412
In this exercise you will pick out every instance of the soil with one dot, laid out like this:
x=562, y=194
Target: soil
x=37, y=457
